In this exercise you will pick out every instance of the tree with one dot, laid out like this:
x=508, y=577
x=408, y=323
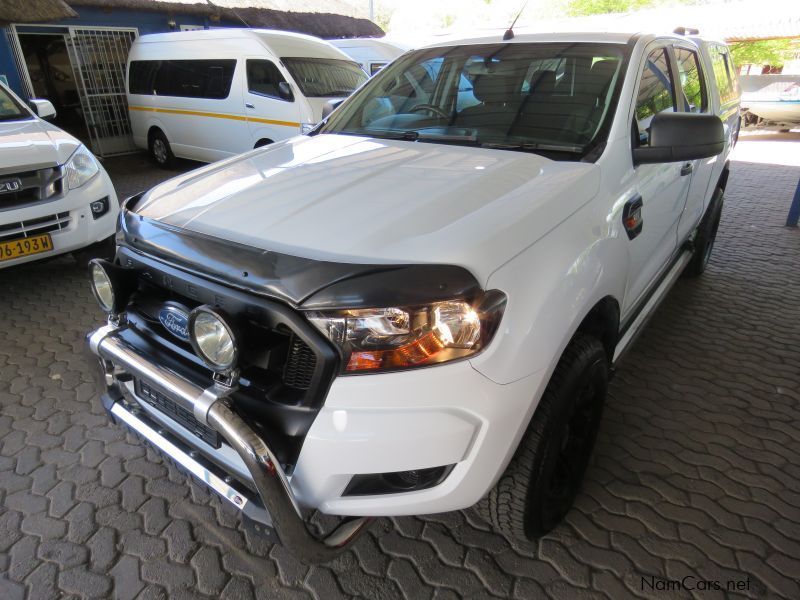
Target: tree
x=581, y=8
x=763, y=52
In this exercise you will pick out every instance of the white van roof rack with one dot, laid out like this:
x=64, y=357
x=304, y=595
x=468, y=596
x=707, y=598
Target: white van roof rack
x=686, y=31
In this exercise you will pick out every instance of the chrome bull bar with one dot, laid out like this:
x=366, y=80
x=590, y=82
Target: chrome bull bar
x=211, y=406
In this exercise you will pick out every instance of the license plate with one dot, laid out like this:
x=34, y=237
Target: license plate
x=26, y=246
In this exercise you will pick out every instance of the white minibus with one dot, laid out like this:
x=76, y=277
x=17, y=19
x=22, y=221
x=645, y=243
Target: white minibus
x=371, y=53
x=209, y=94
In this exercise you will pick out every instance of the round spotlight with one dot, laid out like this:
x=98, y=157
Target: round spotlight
x=213, y=339
x=102, y=286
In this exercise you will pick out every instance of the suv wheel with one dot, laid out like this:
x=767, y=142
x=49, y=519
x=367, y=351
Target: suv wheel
x=705, y=237
x=160, y=152
x=544, y=476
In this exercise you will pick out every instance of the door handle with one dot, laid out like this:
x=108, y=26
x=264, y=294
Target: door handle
x=248, y=105
x=632, y=219
x=686, y=169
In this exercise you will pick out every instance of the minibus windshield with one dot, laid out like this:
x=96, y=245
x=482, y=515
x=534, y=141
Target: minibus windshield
x=555, y=99
x=325, y=77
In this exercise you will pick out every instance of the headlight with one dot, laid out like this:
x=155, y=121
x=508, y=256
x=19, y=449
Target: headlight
x=111, y=284
x=213, y=339
x=383, y=339
x=81, y=167
x=102, y=287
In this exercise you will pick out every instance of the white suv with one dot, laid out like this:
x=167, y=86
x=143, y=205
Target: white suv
x=418, y=307
x=54, y=195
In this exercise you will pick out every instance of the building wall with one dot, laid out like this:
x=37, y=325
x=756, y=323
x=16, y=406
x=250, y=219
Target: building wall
x=145, y=21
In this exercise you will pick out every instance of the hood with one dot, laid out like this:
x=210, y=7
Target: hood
x=33, y=144
x=354, y=199
x=317, y=104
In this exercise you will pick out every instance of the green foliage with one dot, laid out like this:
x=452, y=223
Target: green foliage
x=580, y=8
x=764, y=52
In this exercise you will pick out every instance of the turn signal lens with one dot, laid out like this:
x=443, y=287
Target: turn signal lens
x=384, y=339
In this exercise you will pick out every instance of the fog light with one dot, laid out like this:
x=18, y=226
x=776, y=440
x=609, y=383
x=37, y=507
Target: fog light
x=111, y=284
x=213, y=339
x=99, y=207
x=102, y=286
x=372, y=484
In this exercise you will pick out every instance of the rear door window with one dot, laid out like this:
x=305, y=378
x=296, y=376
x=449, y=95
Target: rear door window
x=693, y=90
x=727, y=83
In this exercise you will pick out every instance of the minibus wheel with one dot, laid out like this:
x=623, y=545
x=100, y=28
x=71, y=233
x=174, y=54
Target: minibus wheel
x=160, y=152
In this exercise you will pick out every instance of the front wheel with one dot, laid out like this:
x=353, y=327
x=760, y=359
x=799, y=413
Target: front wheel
x=160, y=151
x=544, y=476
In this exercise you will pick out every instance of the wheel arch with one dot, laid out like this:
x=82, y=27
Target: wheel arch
x=602, y=323
x=723, y=177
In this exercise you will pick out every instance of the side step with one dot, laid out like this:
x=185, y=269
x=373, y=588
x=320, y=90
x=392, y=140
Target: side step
x=636, y=327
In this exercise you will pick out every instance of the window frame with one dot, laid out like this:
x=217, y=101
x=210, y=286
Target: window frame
x=704, y=89
x=664, y=46
x=162, y=63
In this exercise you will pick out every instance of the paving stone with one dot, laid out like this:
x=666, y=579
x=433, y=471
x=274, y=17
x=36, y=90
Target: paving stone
x=696, y=467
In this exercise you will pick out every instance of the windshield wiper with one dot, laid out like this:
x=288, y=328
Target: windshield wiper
x=532, y=147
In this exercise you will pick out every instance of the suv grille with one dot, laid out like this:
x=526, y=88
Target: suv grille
x=300, y=365
x=31, y=227
x=34, y=187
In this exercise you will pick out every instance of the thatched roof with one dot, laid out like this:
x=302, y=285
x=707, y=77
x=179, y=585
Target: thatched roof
x=34, y=11
x=323, y=18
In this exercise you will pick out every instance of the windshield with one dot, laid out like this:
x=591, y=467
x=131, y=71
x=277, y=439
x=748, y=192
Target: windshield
x=538, y=97
x=325, y=77
x=10, y=109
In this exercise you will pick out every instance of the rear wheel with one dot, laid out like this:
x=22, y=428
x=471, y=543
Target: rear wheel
x=545, y=474
x=705, y=237
x=160, y=151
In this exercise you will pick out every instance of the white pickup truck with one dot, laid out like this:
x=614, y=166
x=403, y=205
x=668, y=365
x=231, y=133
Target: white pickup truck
x=417, y=307
x=54, y=195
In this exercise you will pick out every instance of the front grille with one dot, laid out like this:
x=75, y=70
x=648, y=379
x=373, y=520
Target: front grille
x=34, y=187
x=300, y=365
x=31, y=227
x=177, y=413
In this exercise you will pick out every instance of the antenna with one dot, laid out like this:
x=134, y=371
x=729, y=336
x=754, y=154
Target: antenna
x=233, y=10
x=509, y=34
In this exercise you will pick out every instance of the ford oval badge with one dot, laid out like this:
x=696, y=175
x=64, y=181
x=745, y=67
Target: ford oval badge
x=176, y=321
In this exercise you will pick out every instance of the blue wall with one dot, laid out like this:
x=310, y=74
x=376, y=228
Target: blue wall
x=145, y=21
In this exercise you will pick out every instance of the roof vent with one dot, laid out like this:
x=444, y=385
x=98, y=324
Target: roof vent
x=686, y=31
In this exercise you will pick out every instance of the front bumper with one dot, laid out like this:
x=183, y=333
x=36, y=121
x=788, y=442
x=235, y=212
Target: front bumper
x=71, y=212
x=273, y=503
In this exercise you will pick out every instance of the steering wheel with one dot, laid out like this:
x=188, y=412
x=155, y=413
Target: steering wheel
x=430, y=107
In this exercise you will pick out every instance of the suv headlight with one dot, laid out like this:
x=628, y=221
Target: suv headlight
x=81, y=167
x=393, y=338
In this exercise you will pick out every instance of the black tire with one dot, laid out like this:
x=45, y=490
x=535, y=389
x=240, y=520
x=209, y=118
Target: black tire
x=103, y=249
x=545, y=474
x=263, y=142
x=705, y=237
x=160, y=150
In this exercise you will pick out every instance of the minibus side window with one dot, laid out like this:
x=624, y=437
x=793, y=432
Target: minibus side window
x=210, y=79
x=263, y=78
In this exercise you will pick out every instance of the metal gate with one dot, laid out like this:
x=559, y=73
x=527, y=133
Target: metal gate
x=98, y=57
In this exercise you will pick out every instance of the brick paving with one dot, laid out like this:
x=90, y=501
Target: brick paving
x=696, y=472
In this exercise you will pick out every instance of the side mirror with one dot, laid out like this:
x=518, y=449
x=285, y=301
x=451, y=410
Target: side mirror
x=677, y=137
x=285, y=91
x=44, y=109
x=330, y=106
